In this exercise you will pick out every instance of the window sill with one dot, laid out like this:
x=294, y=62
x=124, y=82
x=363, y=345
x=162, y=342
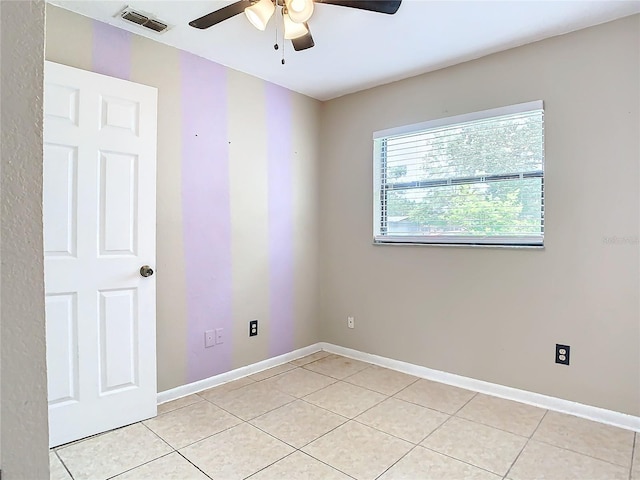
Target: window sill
x=459, y=245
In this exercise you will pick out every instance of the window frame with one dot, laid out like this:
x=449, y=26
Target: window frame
x=379, y=159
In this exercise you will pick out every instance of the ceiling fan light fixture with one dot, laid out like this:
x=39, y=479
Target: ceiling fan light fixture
x=293, y=30
x=299, y=10
x=259, y=13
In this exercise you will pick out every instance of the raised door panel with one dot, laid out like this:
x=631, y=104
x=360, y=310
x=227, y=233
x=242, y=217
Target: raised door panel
x=120, y=115
x=60, y=193
x=62, y=348
x=118, y=340
x=61, y=104
x=118, y=203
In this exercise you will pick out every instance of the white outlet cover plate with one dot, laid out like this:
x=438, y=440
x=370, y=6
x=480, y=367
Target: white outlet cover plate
x=209, y=339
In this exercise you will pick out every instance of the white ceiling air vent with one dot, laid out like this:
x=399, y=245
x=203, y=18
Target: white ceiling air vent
x=143, y=20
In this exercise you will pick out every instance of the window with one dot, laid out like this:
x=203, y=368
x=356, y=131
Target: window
x=472, y=179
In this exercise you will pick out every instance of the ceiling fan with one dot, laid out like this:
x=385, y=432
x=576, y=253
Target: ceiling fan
x=295, y=14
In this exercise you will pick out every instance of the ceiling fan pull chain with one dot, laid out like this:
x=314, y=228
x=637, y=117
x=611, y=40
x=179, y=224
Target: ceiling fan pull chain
x=283, y=43
x=275, y=45
x=283, y=40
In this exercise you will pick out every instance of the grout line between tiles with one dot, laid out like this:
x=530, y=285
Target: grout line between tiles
x=63, y=464
x=491, y=426
x=95, y=435
x=336, y=413
x=293, y=367
x=253, y=382
x=355, y=419
x=209, y=436
x=161, y=439
x=412, y=383
x=633, y=453
x=458, y=460
x=465, y=404
x=256, y=416
x=346, y=380
x=435, y=430
x=386, y=433
x=325, y=463
x=273, y=436
x=293, y=399
x=178, y=408
x=525, y=444
x=576, y=451
x=307, y=363
x=342, y=424
x=367, y=365
x=394, y=463
x=145, y=463
x=200, y=440
x=464, y=461
x=347, y=383
x=82, y=440
x=333, y=381
x=395, y=395
x=579, y=453
x=196, y=466
x=200, y=392
x=272, y=463
x=347, y=420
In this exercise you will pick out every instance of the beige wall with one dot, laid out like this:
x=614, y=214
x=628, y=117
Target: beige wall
x=23, y=396
x=496, y=314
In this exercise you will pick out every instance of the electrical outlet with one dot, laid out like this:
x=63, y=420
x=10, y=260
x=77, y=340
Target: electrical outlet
x=209, y=339
x=351, y=322
x=253, y=328
x=562, y=354
x=219, y=336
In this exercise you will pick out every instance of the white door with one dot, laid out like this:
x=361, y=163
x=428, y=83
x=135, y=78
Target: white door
x=99, y=230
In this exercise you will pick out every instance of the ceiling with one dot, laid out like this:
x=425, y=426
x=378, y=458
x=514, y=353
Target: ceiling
x=357, y=49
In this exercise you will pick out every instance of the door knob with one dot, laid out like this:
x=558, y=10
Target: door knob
x=146, y=271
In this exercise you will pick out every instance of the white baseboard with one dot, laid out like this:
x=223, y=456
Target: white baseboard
x=589, y=412
x=231, y=375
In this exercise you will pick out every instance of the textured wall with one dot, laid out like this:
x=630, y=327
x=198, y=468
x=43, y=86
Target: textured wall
x=23, y=397
x=496, y=314
x=236, y=204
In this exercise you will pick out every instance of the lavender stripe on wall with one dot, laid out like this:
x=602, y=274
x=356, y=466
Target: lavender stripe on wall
x=206, y=213
x=280, y=198
x=111, y=51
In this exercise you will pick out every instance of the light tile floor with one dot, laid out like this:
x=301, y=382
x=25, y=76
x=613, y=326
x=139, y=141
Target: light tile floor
x=326, y=417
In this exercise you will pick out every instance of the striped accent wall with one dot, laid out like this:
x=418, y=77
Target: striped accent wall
x=280, y=201
x=206, y=212
x=111, y=51
x=226, y=203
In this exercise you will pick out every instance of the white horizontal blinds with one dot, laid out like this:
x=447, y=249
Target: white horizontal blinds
x=478, y=181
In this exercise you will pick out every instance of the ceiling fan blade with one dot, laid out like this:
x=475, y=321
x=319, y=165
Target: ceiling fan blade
x=218, y=16
x=303, y=42
x=381, y=6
